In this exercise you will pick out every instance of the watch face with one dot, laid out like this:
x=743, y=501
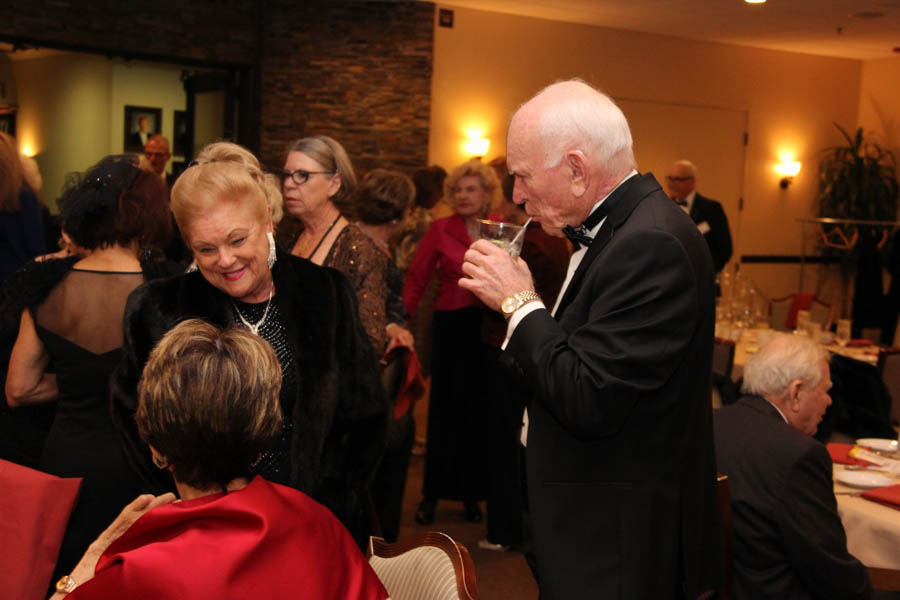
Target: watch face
x=509, y=305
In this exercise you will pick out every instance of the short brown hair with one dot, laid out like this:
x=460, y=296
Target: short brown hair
x=209, y=402
x=115, y=202
x=384, y=196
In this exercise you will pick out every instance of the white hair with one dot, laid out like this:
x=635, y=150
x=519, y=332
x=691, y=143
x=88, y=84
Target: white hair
x=583, y=118
x=786, y=358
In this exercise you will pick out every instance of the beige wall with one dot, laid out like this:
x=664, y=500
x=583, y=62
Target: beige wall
x=138, y=83
x=64, y=115
x=488, y=63
x=879, y=101
x=72, y=109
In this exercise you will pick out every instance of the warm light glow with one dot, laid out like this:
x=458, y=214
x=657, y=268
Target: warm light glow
x=477, y=147
x=755, y=1
x=27, y=149
x=788, y=167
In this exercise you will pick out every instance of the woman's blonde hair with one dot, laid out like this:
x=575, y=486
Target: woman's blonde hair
x=10, y=175
x=329, y=153
x=224, y=171
x=489, y=183
x=208, y=401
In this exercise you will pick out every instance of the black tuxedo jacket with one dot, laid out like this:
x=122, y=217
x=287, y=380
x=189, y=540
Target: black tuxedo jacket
x=620, y=464
x=719, y=236
x=788, y=538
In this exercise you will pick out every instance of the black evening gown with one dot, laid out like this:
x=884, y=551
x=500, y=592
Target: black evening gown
x=80, y=326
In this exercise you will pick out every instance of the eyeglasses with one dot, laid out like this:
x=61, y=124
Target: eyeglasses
x=300, y=176
x=674, y=178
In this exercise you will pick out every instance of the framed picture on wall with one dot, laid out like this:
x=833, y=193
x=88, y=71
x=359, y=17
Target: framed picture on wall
x=141, y=122
x=179, y=144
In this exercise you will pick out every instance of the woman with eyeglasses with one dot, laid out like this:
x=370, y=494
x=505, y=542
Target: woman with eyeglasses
x=335, y=414
x=319, y=186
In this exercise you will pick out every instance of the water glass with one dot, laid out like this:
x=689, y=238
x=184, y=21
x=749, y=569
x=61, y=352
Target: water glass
x=843, y=332
x=802, y=320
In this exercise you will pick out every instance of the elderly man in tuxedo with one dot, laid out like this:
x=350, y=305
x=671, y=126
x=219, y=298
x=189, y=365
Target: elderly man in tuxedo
x=619, y=456
x=706, y=213
x=788, y=537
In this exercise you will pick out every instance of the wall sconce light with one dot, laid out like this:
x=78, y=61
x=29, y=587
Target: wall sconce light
x=788, y=169
x=477, y=146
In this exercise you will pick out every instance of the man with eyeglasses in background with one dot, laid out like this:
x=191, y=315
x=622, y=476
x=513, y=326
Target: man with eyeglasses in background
x=158, y=155
x=706, y=213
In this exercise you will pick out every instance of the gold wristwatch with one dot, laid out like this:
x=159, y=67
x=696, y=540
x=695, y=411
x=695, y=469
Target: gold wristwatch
x=513, y=303
x=65, y=584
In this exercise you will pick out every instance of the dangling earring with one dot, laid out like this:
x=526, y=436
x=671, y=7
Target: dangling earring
x=271, y=259
x=192, y=267
x=159, y=462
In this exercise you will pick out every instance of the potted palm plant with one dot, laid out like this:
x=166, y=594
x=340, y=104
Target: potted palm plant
x=858, y=180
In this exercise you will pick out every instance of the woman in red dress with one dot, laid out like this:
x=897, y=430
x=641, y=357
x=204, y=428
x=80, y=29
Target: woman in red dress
x=208, y=407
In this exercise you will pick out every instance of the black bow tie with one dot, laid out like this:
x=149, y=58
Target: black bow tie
x=681, y=202
x=580, y=236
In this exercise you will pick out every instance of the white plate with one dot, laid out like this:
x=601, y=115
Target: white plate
x=860, y=479
x=882, y=445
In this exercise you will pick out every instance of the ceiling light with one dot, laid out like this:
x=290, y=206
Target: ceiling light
x=755, y=1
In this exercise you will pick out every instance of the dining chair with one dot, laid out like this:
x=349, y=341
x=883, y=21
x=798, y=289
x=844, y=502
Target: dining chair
x=723, y=357
x=429, y=566
x=783, y=311
x=726, y=590
x=889, y=368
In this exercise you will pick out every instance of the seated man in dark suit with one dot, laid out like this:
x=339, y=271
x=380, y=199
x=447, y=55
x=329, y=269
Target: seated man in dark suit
x=788, y=538
x=706, y=213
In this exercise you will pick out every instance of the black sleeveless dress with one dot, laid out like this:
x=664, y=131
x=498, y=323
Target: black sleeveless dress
x=80, y=326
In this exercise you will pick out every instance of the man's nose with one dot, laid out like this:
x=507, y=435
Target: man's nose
x=518, y=195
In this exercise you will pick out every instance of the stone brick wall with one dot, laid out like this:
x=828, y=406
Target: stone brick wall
x=358, y=70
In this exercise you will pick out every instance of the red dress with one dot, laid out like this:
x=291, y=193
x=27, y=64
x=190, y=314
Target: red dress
x=264, y=541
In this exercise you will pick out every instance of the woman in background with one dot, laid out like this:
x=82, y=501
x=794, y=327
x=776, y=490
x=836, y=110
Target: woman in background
x=454, y=458
x=319, y=184
x=21, y=226
x=69, y=341
x=209, y=406
x=382, y=203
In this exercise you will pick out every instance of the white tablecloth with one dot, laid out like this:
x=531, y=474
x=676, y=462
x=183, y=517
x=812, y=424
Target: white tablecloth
x=873, y=529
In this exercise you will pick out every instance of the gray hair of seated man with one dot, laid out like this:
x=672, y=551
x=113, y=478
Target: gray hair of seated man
x=784, y=359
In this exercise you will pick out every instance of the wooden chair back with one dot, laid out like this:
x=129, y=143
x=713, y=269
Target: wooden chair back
x=430, y=566
x=889, y=369
x=723, y=357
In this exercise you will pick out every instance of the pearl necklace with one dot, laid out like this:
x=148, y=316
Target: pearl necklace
x=254, y=327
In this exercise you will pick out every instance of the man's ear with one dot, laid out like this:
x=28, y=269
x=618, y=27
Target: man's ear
x=576, y=168
x=793, y=395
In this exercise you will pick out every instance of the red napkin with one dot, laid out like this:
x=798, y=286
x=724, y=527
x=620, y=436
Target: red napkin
x=413, y=386
x=861, y=342
x=840, y=454
x=801, y=301
x=35, y=509
x=889, y=496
